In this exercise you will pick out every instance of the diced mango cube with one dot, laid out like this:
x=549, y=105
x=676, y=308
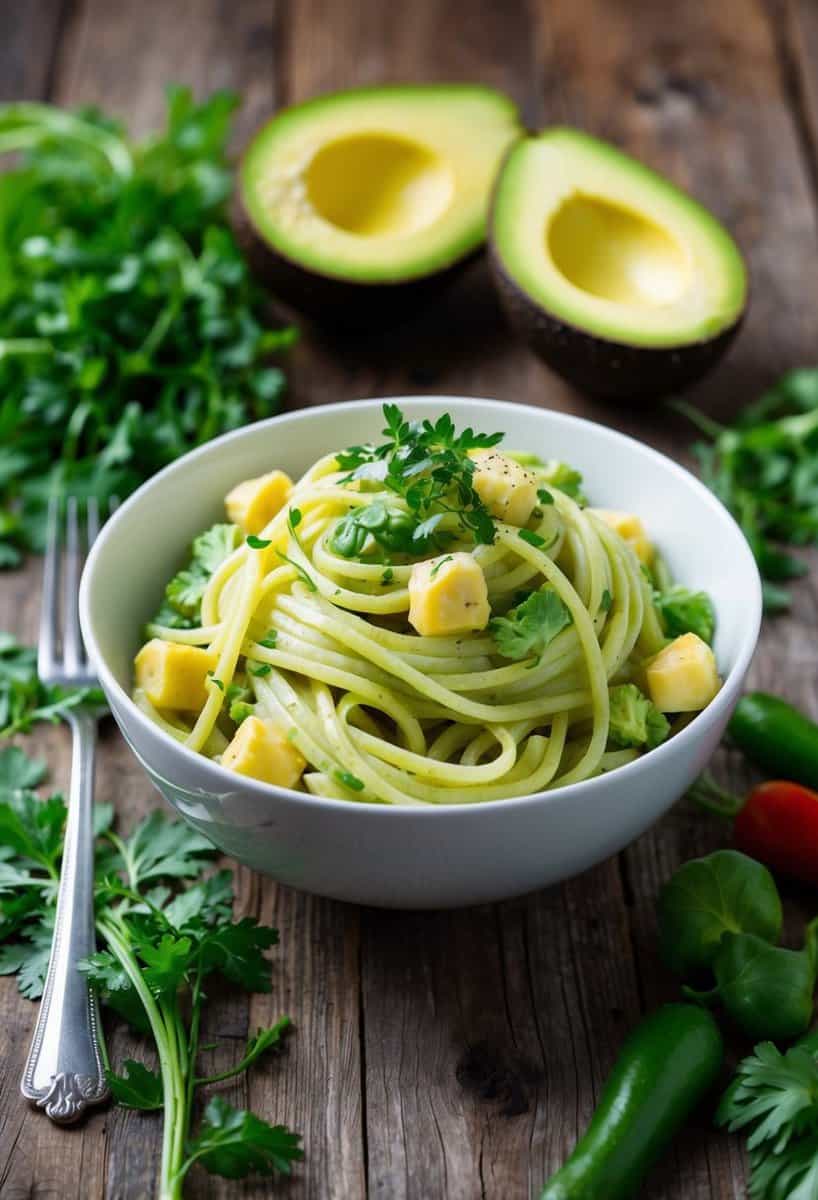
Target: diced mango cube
x=448, y=595
x=253, y=503
x=172, y=675
x=262, y=750
x=631, y=530
x=683, y=677
x=508, y=491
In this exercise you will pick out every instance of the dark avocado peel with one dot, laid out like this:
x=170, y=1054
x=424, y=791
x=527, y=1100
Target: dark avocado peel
x=362, y=203
x=621, y=282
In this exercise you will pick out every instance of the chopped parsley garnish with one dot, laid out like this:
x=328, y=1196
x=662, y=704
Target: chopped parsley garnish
x=606, y=601
x=240, y=710
x=544, y=496
x=683, y=611
x=295, y=517
x=441, y=562
x=259, y=669
x=270, y=640
x=234, y=692
x=216, y=681
x=536, y=539
x=635, y=720
x=387, y=576
x=257, y=543
x=428, y=465
x=530, y=627
x=349, y=781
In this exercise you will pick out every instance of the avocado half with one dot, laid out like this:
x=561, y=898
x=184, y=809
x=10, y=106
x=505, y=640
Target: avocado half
x=620, y=281
x=361, y=202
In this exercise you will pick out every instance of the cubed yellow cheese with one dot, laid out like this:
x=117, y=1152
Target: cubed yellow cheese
x=262, y=750
x=448, y=595
x=252, y=504
x=631, y=530
x=508, y=491
x=172, y=675
x=683, y=677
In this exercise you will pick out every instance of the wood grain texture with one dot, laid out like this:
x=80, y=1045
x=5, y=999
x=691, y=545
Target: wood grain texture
x=454, y=1054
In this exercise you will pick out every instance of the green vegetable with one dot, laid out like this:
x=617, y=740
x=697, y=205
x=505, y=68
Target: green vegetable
x=635, y=720
x=24, y=700
x=165, y=931
x=391, y=528
x=767, y=990
x=777, y=737
x=726, y=892
x=131, y=328
x=765, y=470
x=429, y=467
x=683, y=611
x=182, y=605
x=666, y=1067
x=530, y=627
x=566, y=479
x=774, y=1099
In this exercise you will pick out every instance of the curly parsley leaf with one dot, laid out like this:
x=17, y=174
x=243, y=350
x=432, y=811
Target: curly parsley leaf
x=235, y=1143
x=531, y=626
x=183, y=595
x=635, y=720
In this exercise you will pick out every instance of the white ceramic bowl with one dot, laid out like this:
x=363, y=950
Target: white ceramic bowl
x=411, y=857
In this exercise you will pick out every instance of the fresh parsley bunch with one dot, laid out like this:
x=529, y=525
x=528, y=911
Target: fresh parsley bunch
x=24, y=699
x=165, y=930
x=131, y=328
x=764, y=468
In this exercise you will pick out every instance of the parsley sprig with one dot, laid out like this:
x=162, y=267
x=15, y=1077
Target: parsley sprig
x=529, y=629
x=24, y=700
x=774, y=1100
x=164, y=930
x=428, y=465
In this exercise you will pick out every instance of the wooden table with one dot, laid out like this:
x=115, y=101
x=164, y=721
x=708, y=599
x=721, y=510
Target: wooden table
x=454, y=1054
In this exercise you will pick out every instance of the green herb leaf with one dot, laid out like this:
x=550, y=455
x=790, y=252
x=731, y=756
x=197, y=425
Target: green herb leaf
x=136, y=1087
x=683, y=611
x=234, y=1143
x=606, y=601
x=24, y=700
x=257, y=543
x=259, y=669
x=726, y=892
x=531, y=627
x=348, y=780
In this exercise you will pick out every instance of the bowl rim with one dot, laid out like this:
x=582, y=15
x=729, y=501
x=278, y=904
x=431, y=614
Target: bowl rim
x=752, y=607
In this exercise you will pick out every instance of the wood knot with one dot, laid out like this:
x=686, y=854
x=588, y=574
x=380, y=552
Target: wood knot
x=489, y=1075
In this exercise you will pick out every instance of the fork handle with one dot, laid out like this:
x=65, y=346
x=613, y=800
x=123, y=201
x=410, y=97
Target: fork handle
x=64, y=1073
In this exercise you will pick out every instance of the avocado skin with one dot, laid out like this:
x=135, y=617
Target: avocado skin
x=343, y=303
x=602, y=368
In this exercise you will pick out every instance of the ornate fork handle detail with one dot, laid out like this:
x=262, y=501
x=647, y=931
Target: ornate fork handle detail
x=64, y=1072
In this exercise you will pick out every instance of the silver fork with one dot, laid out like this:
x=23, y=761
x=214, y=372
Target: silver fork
x=64, y=1072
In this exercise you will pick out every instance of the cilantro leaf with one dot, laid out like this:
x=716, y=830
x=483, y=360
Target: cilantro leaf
x=234, y=1143
x=531, y=626
x=683, y=611
x=136, y=1087
x=635, y=720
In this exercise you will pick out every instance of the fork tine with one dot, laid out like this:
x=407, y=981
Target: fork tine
x=46, y=646
x=73, y=654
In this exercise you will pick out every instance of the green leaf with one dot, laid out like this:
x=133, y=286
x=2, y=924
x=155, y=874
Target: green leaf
x=531, y=627
x=209, y=550
x=160, y=848
x=236, y=951
x=635, y=721
x=767, y=990
x=683, y=611
x=18, y=772
x=167, y=962
x=136, y=1087
x=234, y=1143
x=726, y=892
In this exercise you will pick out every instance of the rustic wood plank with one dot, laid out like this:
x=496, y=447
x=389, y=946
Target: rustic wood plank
x=704, y=102
x=121, y=58
x=29, y=30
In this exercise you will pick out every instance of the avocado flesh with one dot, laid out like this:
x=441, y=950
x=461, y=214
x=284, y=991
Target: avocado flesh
x=622, y=282
x=374, y=188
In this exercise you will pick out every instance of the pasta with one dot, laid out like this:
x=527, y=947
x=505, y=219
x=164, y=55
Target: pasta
x=304, y=628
